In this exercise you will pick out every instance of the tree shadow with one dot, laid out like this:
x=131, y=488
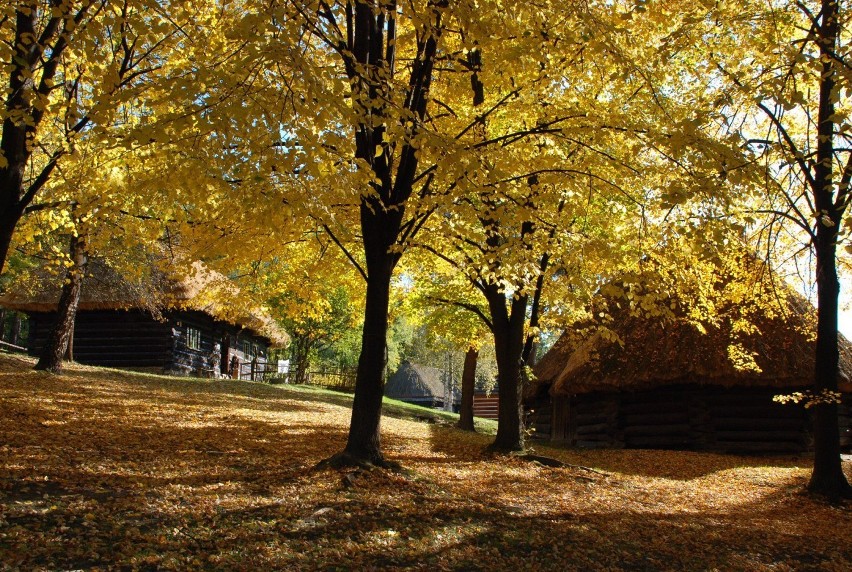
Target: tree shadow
x=456, y=534
x=668, y=464
x=116, y=476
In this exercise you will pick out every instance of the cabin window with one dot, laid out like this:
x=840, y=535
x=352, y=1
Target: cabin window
x=246, y=348
x=193, y=339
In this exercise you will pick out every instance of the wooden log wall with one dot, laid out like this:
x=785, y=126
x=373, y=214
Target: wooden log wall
x=485, y=406
x=749, y=421
x=736, y=420
x=659, y=419
x=593, y=421
x=109, y=338
x=133, y=338
x=540, y=418
x=184, y=360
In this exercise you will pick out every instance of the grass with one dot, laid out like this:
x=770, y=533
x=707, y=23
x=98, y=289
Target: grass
x=390, y=407
x=109, y=470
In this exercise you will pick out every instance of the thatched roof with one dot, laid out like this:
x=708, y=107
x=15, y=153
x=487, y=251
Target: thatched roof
x=414, y=381
x=721, y=318
x=151, y=289
x=551, y=365
x=778, y=353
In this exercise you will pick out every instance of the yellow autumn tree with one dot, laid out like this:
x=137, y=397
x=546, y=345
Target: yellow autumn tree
x=768, y=144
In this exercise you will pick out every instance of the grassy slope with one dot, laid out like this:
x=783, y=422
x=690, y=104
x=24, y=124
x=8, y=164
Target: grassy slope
x=112, y=470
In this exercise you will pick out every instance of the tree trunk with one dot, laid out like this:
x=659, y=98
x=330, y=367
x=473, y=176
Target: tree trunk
x=69, y=351
x=508, y=329
x=364, y=442
x=60, y=337
x=827, y=478
x=10, y=211
x=301, y=359
x=531, y=345
x=371, y=41
x=14, y=144
x=24, y=88
x=468, y=385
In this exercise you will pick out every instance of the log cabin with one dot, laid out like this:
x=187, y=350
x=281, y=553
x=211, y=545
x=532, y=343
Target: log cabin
x=156, y=323
x=677, y=385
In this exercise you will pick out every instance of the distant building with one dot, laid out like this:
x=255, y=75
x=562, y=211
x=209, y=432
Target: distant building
x=157, y=324
x=420, y=385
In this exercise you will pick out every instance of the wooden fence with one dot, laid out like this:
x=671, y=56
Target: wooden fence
x=268, y=372
x=337, y=380
x=12, y=348
x=259, y=371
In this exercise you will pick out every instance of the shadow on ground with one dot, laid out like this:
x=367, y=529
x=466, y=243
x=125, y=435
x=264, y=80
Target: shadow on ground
x=126, y=473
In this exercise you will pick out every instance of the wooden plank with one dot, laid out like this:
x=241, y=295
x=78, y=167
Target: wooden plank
x=762, y=447
x=758, y=436
x=560, y=419
x=734, y=398
x=648, y=408
x=597, y=444
x=743, y=423
x=657, y=418
x=583, y=430
x=591, y=419
x=659, y=442
x=673, y=429
x=769, y=410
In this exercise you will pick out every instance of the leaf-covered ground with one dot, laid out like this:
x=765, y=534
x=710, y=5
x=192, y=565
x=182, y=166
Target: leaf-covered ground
x=107, y=470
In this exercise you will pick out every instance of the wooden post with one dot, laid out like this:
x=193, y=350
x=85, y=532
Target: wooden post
x=16, y=329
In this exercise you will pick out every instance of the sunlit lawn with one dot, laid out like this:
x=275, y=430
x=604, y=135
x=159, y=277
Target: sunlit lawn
x=107, y=470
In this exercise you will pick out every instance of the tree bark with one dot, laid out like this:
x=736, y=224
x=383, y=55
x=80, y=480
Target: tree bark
x=827, y=478
x=508, y=330
x=507, y=326
x=531, y=345
x=13, y=142
x=18, y=133
x=364, y=441
x=301, y=359
x=11, y=209
x=468, y=385
x=69, y=350
x=60, y=337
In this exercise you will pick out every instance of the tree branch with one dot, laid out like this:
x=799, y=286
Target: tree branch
x=346, y=252
x=465, y=306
